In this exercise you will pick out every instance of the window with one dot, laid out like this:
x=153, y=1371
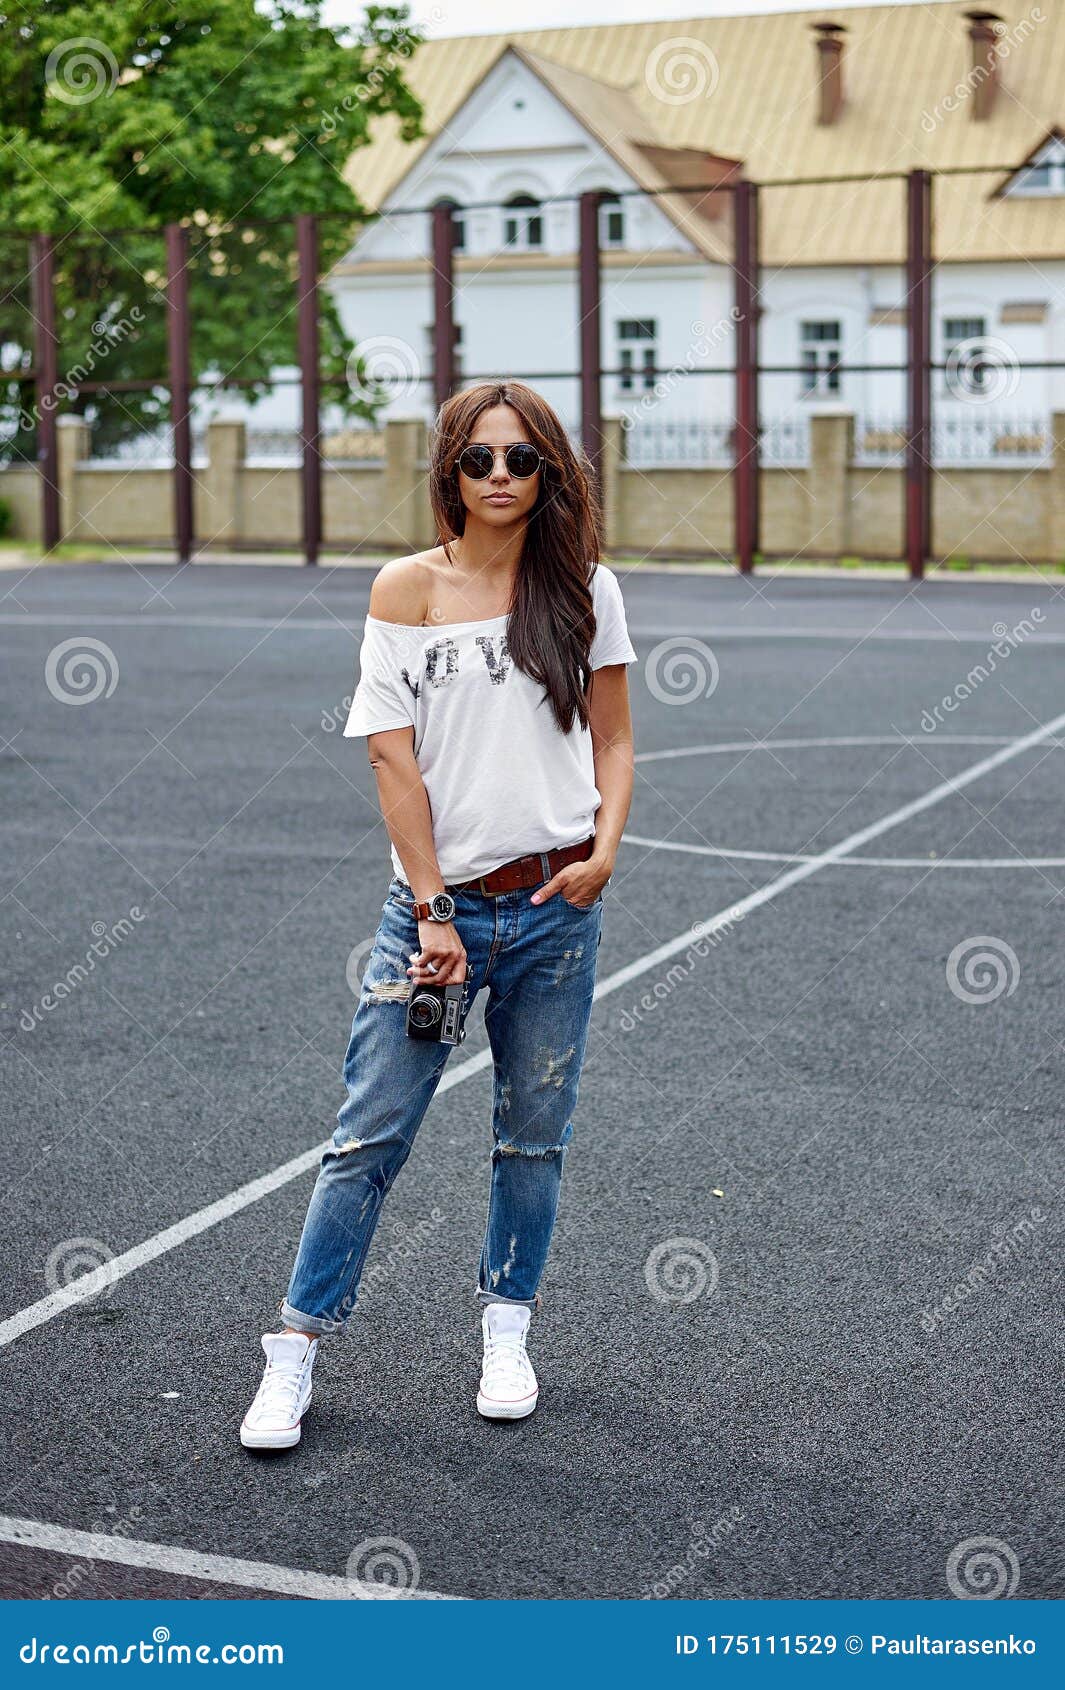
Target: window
x=611, y=221
x=637, y=356
x=820, y=354
x=967, y=374
x=523, y=226
x=1045, y=174
x=458, y=224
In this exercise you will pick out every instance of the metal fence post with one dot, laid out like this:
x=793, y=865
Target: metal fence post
x=177, y=327
x=310, y=384
x=590, y=343
x=46, y=378
x=746, y=463
x=918, y=370
x=443, y=304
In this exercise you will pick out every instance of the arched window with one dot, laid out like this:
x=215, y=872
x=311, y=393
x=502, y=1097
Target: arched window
x=523, y=225
x=458, y=222
x=611, y=221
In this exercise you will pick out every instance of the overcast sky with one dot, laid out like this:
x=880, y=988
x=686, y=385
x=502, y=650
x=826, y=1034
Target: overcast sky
x=495, y=17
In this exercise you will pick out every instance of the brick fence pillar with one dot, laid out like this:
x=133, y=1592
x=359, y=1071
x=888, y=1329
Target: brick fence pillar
x=220, y=488
x=831, y=450
x=73, y=445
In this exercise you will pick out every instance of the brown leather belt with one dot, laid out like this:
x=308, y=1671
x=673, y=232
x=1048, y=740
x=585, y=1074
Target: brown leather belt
x=521, y=872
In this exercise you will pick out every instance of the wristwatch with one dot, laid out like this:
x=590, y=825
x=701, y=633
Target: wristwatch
x=440, y=907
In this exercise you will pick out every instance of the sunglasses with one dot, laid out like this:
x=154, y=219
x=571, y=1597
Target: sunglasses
x=521, y=459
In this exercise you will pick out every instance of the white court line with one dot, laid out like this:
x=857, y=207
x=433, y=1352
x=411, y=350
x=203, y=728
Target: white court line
x=846, y=862
x=718, y=748
x=192, y=1564
x=333, y=624
x=91, y=1284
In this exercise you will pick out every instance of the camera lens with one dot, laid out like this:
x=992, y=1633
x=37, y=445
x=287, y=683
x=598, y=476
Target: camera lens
x=424, y=1011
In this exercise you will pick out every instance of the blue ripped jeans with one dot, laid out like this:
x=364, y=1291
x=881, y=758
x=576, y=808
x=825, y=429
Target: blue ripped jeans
x=538, y=963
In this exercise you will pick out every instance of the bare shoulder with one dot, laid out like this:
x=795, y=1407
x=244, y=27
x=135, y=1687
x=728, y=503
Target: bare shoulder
x=400, y=590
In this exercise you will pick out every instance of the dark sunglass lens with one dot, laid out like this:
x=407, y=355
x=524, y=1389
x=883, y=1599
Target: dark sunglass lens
x=523, y=461
x=476, y=462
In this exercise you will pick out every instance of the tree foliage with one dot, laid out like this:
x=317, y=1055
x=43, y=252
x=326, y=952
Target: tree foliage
x=117, y=117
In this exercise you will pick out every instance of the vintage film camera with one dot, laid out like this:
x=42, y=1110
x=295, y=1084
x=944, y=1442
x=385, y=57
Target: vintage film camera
x=438, y=1012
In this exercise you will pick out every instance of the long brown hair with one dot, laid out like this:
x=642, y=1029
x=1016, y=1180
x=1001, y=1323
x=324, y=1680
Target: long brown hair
x=551, y=623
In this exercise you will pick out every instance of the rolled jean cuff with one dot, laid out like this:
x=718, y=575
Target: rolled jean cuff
x=533, y=1303
x=320, y=1325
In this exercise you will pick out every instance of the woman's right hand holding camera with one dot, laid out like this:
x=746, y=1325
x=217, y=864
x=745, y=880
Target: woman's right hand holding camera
x=441, y=945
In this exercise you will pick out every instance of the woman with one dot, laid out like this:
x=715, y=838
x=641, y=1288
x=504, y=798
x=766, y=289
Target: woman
x=494, y=700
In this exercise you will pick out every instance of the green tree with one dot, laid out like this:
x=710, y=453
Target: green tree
x=117, y=117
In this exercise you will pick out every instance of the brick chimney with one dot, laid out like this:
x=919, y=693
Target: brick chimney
x=829, y=41
x=983, y=34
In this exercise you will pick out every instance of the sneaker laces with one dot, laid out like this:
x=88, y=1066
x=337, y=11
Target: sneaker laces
x=506, y=1362
x=279, y=1392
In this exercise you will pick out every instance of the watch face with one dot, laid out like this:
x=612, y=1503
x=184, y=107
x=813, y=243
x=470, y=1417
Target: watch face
x=443, y=906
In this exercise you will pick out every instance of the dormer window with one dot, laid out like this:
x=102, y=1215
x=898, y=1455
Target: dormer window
x=611, y=221
x=1043, y=174
x=523, y=225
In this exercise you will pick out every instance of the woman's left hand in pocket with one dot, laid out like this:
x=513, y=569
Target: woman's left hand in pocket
x=578, y=883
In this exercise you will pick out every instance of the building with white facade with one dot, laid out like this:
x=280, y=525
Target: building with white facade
x=519, y=125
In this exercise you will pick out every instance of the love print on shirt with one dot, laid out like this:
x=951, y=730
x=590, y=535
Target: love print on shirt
x=442, y=662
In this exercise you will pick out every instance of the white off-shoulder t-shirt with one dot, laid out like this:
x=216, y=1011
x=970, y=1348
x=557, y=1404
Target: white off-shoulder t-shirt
x=501, y=778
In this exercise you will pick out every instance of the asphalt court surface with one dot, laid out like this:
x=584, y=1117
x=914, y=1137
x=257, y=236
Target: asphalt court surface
x=740, y=1395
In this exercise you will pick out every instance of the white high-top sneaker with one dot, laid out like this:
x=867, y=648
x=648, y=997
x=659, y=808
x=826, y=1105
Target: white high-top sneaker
x=273, y=1420
x=508, y=1384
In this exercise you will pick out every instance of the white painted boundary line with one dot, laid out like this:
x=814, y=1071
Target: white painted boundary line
x=192, y=1564
x=334, y=624
x=91, y=1284
x=845, y=862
